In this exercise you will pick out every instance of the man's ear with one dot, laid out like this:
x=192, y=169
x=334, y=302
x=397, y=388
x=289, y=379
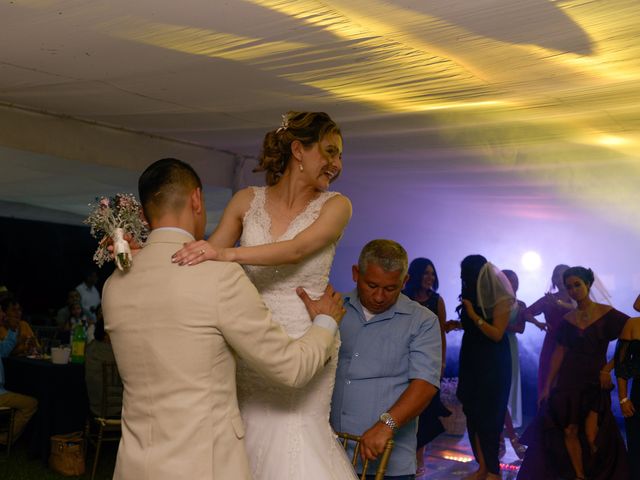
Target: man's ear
x=355, y=272
x=197, y=203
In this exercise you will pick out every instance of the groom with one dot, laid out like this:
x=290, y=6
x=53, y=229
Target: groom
x=175, y=332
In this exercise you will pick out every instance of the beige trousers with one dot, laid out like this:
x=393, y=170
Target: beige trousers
x=25, y=408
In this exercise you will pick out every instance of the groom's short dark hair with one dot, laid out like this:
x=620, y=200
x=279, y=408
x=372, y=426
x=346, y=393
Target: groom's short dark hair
x=164, y=186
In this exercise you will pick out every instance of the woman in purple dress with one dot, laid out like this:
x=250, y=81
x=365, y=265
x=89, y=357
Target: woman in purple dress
x=554, y=305
x=574, y=434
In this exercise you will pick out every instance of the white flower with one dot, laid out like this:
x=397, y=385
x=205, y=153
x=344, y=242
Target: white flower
x=123, y=211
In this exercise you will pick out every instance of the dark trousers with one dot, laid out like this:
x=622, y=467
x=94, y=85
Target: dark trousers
x=632, y=427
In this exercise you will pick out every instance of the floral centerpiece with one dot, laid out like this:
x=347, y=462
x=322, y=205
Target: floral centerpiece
x=110, y=219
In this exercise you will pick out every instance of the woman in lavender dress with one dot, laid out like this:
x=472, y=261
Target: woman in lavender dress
x=554, y=305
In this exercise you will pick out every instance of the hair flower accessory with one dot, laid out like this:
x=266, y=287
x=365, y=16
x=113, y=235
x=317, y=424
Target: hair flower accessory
x=285, y=123
x=110, y=218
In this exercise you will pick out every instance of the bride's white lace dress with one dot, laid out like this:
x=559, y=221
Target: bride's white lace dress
x=288, y=436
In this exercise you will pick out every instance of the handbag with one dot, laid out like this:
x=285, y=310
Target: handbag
x=67, y=454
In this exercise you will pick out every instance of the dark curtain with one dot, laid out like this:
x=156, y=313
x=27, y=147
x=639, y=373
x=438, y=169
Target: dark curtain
x=40, y=262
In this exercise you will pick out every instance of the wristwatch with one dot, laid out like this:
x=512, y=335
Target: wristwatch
x=388, y=420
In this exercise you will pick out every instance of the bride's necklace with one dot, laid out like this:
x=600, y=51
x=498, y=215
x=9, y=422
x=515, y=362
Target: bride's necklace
x=583, y=317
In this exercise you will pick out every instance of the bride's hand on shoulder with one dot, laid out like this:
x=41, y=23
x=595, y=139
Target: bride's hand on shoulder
x=196, y=252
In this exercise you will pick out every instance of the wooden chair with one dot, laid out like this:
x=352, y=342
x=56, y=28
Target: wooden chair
x=7, y=417
x=108, y=427
x=345, y=438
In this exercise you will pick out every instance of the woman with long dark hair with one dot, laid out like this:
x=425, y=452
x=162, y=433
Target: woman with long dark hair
x=422, y=287
x=574, y=434
x=485, y=359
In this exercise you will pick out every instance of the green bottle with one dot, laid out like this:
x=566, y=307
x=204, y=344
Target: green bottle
x=77, y=344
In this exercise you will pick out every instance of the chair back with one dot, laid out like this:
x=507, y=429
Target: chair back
x=111, y=389
x=347, y=438
x=7, y=417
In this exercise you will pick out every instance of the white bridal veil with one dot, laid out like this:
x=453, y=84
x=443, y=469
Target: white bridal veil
x=493, y=288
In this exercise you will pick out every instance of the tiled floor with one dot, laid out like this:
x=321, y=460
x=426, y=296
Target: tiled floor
x=450, y=457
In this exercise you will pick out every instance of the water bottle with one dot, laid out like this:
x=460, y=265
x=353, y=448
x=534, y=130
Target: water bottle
x=78, y=341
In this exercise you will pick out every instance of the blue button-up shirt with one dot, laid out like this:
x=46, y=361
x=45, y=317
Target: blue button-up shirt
x=6, y=346
x=378, y=359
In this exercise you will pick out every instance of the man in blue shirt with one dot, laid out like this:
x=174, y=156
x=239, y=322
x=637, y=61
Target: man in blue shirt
x=389, y=362
x=25, y=406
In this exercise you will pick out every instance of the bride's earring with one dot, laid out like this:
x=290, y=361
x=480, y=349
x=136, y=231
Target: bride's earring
x=301, y=167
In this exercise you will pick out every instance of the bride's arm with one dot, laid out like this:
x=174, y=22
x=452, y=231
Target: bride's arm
x=327, y=228
x=226, y=234
x=229, y=229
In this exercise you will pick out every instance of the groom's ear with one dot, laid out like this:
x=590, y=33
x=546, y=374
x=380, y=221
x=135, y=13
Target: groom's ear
x=197, y=200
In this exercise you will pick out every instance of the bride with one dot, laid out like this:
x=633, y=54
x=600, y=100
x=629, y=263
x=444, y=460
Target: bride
x=288, y=233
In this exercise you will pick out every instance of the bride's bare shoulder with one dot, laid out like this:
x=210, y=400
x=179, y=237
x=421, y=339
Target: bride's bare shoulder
x=241, y=200
x=339, y=201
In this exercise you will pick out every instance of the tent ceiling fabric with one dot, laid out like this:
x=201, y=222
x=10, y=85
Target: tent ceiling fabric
x=533, y=101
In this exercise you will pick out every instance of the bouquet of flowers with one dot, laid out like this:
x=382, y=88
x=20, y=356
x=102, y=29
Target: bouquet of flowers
x=109, y=219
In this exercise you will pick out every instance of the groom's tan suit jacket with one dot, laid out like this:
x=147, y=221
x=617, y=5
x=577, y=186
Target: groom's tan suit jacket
x=174, y=332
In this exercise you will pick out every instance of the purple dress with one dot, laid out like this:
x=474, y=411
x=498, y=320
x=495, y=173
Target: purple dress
x=576, y=393
x=553, y=316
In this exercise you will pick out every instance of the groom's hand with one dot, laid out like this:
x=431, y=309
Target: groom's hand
x=330, y=303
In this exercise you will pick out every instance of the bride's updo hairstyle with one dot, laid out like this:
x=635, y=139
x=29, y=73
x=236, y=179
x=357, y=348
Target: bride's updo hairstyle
x=306, y=127
x=584, y=274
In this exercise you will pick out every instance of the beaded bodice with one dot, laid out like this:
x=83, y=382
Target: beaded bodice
x=277, y=284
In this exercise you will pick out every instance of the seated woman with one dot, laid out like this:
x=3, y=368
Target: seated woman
x=574, y=434
x=27, y=339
